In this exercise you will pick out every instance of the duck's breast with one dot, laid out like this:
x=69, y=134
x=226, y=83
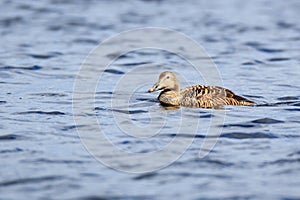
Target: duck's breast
x=169, y=98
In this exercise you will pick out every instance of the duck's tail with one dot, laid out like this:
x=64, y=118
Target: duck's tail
x=238, y=100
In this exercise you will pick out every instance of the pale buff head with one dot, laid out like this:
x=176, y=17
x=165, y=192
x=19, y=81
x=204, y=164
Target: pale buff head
x=167, y=81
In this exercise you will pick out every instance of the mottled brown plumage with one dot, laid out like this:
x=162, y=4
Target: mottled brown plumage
x=199, y=96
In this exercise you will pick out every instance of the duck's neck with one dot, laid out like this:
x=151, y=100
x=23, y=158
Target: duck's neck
x=169, y=97
x=176, y=88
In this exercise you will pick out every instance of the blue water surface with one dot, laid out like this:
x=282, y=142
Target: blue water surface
x=255, y=45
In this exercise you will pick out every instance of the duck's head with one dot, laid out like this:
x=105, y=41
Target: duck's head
x=166, y=81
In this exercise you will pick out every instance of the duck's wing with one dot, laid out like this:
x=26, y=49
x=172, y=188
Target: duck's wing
x=210, y=97
x=233, y=99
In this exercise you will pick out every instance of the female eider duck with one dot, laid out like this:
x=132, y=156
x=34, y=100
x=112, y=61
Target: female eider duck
x=199, y=96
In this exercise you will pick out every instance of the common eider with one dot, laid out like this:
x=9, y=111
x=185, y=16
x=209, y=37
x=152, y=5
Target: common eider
x=199, y=96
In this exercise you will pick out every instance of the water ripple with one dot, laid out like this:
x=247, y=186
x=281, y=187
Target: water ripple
x=146, y=176
x=11, y=150
x=260, y=47
x=9, y=21
x=34, y=67
x=114, y=71
x=267, y=121
x=86, y=41
x=30, y=180
x=49, y=94
x=113, y=197
x=245, y=125
x=10, y=137
x=241, y=135
x=277, y=59
x=282, y=162
x=122, y=111
x=41, y=112
x=288, y=98
x=45, y=56
x=48, y=161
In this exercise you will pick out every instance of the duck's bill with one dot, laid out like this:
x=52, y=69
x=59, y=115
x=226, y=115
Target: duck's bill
x=151, y=90
x=154, y=88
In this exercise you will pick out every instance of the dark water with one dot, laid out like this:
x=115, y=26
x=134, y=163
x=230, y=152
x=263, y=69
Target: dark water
x=255, y=45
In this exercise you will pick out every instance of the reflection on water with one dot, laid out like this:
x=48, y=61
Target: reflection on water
x=255, y=45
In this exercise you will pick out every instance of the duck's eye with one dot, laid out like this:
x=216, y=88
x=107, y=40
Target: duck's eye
x=168, y=77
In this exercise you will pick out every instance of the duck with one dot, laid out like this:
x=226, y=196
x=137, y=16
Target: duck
x=196, y=96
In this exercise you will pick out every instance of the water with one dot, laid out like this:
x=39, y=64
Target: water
x=255, y=46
